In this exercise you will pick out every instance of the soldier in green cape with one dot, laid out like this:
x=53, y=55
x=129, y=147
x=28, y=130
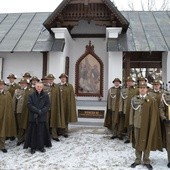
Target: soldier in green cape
x=7, y=118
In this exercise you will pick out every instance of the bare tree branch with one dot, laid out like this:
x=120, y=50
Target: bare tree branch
x=165, y=5
x=150, y=5
x=131, y=5
x=142, y=5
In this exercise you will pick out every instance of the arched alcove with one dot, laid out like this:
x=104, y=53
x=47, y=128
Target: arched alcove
x=89, y=74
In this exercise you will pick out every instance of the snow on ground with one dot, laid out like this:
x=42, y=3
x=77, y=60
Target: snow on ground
x=87, y=148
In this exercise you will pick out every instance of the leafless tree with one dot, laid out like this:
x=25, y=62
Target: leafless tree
x=149, y=5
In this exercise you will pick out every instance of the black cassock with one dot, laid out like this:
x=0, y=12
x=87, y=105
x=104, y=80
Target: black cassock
x=38, y=136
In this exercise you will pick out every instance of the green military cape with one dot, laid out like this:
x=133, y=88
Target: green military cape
x=132, y=91
x=12, y=88
x=24, y=115
x=7, y=117
x=63, y=107
x=150, y=131
x=112, y=117
x=55, y=118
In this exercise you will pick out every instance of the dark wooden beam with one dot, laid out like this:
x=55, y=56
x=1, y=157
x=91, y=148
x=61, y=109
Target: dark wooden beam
x=67, y=61
x=44, y=70
x=146, y=65
x=127, y=65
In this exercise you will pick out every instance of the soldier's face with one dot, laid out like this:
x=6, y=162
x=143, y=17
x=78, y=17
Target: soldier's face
x=23, y=85
x=11, y=80
x=63, y=79
x=157, y=86
x=143, y=90
x=45, y=81
x=117, y=83
x=2, y=86
x=50, y=81
x=34, y=82
x=130, y=83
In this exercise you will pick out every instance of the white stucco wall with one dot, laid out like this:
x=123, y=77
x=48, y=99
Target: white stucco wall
x=115, y=67
x=21, y=62
x=166, y=67
x=56, y=64
x=56, y=60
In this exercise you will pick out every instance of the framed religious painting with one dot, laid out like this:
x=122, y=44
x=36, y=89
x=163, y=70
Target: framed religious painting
x=89, y=74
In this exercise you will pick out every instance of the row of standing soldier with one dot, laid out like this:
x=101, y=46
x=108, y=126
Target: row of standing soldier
x=14, y=99
x=141, y=115
x=122, y=107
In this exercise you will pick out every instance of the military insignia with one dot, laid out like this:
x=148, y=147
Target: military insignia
x=19, y=94
x=124, y=93
x=136, y=102
x=3, y=92
x=47, y=89
x=61, y=87
x=112, y=94
x=166, y=98
x=147, y=100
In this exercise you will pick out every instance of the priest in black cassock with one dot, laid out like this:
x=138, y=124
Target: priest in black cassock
x=38, y=135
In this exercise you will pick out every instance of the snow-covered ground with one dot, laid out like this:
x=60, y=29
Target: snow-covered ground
x=87, y=148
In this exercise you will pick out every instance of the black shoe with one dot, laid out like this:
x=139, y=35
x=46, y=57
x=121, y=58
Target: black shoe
x=42, y=150
x=56, y=139
x=32, y=151
x=149, y=166
x=65, y=135
x=4, y=150
x=127, y=141
x=168, y=165
x=113, y=137
x=19, y=143
x=12, y=138
x=134, y=165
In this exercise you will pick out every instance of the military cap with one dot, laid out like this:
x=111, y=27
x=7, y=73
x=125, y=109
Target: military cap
x=23, y=80
x=34, y=78
x=11, y=76
x=44, y=78
x=143, y=85
x=27, y=75
x=50, y=76
x=116, y=79
x=63, y=75
x=130, y=79
x=142, y=79
x=2, y=82
x=156, y=82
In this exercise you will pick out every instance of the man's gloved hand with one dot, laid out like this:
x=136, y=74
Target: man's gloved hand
x=166, y=121
x=35, y=116
x=39, y=112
